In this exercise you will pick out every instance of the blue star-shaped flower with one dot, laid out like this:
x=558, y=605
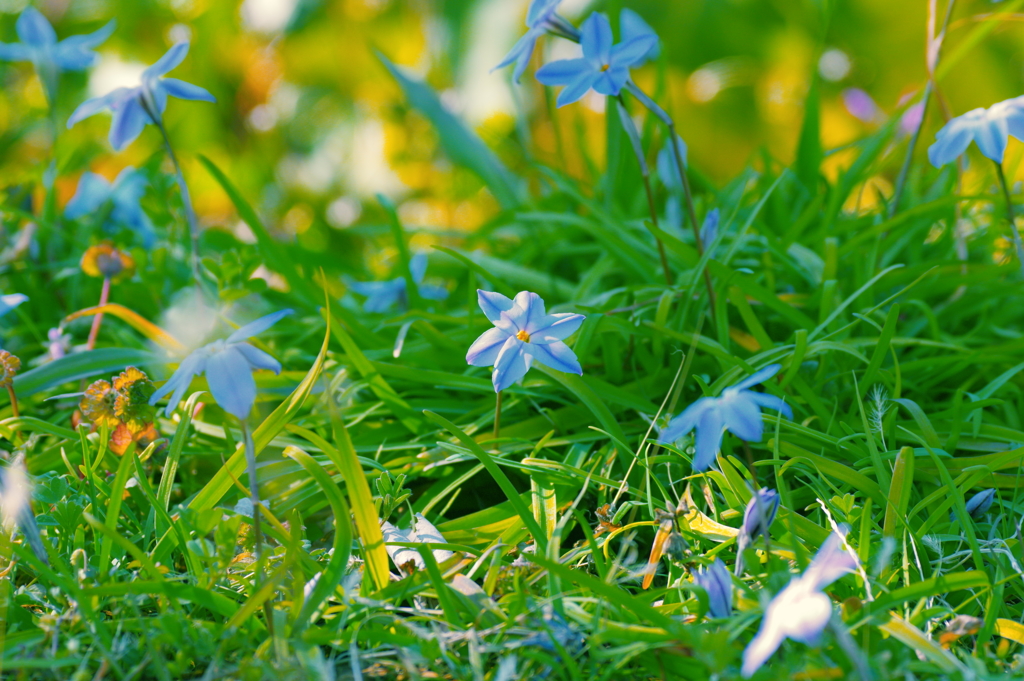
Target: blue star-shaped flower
x=39, y=45
x=989, y=128
x=95, y=191
x=381, y=296
x=737, y=410
x=136, y=107
x=228, y=365
x=540, y=19
x=801, y=611
x=523, y=333
x=603, y=67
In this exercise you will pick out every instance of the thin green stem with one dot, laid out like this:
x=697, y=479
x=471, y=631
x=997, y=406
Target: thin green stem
x=257, y=532
x=901, y=179
x=677, y=156
x=1010, y=216
x=497, y=415
x=635, y=142
x=186, y=197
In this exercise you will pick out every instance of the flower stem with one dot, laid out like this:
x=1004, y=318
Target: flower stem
x=186, y=198
x=634, y=139
x=97, y=319
x=677, y=155
x=901, y=179
x=1010, y=216
x=14, y=402
x=257, y=533
x=497, y=415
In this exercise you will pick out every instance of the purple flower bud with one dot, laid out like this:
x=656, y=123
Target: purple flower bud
x=860, y=105
x=911, y=119
x=760, y=512
x=717, y=582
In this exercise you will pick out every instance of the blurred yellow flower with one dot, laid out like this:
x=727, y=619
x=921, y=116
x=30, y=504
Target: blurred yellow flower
x=107, y=262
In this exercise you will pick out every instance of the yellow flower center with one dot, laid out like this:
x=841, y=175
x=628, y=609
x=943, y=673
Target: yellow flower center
x=523, y=336
x=605, y=67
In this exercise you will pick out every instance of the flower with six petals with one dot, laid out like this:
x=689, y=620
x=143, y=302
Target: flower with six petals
x=228, y=365
x=737, y=410
x=541, y=18
x=123, y=196
x=40, y=46
x=604, y=66
x=383, y=295
x=800, y=611
x=523, y=333
x=988, y=128
x=138, y=106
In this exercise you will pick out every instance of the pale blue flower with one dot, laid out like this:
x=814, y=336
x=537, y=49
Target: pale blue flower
x=717, y=582
x=136, y=107
x=737, y=410
x=228, y=365
x=988, y=128
x=757, y=518
x=541, y=18
x=381, y=296
x=800, y=611
x=11, y=301
x=95, y=191
x=523, y=333
x=603, y=67
x=39, y=45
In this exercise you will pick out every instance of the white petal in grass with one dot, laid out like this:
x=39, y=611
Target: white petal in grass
x=422, y=532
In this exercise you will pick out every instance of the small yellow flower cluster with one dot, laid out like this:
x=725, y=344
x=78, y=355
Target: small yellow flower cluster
x=125, y=402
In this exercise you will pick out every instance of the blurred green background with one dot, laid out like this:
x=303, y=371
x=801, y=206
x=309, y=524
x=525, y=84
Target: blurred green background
x=311, y=126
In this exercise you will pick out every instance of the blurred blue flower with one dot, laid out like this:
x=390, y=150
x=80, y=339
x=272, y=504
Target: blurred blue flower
x=737, y=410
x=667, y=170
x=978, y=505
x=523, y=333
x=11, y=301
x=800, y=611
x=717, y=582
x=541, y=18
x=381, y=296
x=760, y=513
x=988, y=128
x=709, y=230
x=632, y=25
x=603, y=67
x=228, y=365
x=95, y=191
x=39, y=45
x=757, y=518
x=136, y=107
